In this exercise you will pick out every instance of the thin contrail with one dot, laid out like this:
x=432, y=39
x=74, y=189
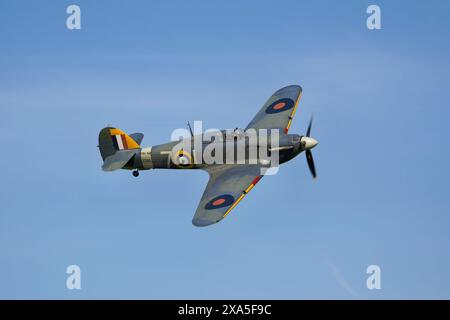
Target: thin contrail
x=340, y=279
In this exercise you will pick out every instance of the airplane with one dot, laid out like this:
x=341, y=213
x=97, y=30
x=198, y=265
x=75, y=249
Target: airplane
x=228, y=183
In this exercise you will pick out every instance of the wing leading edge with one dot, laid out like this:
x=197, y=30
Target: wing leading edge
x=227, y=186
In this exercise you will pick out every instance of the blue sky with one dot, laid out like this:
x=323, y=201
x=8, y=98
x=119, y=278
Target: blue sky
x=380, y=100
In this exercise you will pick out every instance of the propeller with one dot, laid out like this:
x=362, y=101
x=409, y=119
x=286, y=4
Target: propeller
x=310, y=160
x=308, y=153
x=308, y=132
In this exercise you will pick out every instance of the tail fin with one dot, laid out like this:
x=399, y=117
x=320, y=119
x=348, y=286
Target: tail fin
x=111, y=140
x=137, y=137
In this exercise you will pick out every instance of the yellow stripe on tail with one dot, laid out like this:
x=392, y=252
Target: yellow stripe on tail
x=121, y=140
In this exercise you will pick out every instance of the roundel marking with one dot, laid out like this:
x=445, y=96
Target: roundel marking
x=218, y=202
x=183, y=155
x=224, y=200
x=280, y=105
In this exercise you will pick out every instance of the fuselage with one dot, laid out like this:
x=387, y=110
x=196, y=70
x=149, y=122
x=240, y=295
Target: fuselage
x=197, y=153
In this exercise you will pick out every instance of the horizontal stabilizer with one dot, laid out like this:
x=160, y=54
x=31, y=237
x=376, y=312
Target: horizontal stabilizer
x=118, y=160
x=137, y=137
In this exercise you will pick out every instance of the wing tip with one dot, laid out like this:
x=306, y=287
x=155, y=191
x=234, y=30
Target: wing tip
x=203, y=222
x=289, y=88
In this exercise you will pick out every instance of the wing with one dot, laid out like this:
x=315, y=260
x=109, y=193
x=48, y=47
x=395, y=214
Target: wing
x=227, y=186
x=279, y=110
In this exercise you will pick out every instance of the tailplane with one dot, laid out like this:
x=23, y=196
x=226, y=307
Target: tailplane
x=117, y=147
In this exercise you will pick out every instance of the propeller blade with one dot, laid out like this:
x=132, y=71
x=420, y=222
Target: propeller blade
x=309, y=127
x=310, y=160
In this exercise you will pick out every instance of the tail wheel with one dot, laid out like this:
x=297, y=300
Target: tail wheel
x=135, y=173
